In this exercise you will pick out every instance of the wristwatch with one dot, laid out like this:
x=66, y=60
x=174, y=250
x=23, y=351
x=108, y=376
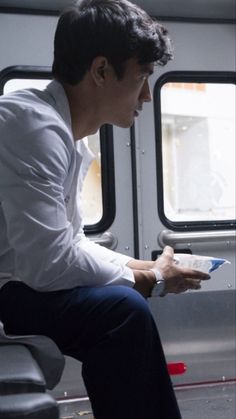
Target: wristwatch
x=159, y=287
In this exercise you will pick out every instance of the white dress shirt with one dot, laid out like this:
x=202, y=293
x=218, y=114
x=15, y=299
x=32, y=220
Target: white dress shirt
x=41, y=174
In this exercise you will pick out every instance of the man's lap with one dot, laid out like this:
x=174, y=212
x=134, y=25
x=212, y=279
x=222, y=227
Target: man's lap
x=80, y=316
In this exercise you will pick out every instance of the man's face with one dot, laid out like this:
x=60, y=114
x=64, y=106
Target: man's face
x=123, y=99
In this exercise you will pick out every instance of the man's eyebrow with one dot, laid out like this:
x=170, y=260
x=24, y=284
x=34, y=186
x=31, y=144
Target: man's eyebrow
x=150, y=71
x=147, y=69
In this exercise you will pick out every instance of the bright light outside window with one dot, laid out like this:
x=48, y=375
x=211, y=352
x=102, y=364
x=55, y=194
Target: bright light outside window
x=92, y=191
x=92, y=188
x=16, y=84
x=198, y=140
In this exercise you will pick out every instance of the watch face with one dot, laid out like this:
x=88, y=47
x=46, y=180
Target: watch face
x=158, y=289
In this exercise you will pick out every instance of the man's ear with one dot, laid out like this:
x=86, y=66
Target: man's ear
x=99, y=69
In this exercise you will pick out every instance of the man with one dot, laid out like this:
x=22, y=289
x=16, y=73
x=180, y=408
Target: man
x=91, y=301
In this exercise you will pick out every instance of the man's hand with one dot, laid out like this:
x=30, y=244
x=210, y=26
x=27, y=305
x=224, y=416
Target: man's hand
x=177, y=279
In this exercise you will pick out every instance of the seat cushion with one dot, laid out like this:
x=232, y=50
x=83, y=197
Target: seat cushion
x=19, y=372
x=48, y=356
x=28, y=406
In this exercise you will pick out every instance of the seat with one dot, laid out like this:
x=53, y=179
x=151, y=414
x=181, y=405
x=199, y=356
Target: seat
x=28, y=366
x=28, y=406
x=43, y=350
x=19, y=372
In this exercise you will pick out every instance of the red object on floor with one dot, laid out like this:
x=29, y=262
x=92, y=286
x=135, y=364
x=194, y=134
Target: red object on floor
x=176, y=368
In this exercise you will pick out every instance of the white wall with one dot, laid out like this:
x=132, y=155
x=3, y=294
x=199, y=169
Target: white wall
x=26, y=40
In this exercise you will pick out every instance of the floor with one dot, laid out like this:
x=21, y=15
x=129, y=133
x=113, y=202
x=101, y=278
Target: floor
x=201, y=402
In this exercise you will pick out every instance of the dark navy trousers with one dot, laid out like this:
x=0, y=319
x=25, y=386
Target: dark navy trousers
x=112, y=331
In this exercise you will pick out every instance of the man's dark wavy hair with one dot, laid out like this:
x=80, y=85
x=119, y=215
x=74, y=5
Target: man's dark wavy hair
x=115, y=29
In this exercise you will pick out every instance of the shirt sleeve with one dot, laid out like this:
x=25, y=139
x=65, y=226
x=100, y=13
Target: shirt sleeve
x=34, y=167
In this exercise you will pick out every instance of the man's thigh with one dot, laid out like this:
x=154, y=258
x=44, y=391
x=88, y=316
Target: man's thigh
x=77, y=318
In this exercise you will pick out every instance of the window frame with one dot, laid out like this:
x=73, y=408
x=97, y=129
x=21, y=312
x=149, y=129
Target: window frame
x=184, y=77
x=106, y=148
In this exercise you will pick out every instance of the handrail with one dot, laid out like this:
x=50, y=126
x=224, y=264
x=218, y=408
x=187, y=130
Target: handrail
x=107, y=239
x=168, y=237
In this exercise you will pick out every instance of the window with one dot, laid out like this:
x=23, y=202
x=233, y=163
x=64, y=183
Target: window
x=196, y=141
x=16, y=84
x=98, y=190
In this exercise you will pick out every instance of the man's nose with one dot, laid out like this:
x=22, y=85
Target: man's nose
x=146, y=92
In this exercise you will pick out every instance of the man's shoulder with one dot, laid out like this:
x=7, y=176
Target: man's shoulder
x=24, y=101
x=29, y=121
x=28, y=110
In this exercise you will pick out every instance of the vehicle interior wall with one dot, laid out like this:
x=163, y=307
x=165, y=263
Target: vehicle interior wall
x=196, y=9
x=205, y=336
x=26, y=39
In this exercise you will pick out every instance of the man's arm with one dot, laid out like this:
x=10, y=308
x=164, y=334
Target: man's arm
x=37, y=161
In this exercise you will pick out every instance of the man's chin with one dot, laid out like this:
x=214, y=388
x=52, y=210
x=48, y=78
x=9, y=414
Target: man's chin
x=125, y=124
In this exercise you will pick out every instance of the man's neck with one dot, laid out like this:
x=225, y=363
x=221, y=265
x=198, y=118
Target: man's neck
x=83, y=105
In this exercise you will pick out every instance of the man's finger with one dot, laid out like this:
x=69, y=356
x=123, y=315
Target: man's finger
x=168, y=251
x=194, y=274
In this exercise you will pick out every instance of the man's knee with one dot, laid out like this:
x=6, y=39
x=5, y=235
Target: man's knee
x=128, y=299
x=133, y=311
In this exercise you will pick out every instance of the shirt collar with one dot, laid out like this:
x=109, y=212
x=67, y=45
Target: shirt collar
x=61, y=104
